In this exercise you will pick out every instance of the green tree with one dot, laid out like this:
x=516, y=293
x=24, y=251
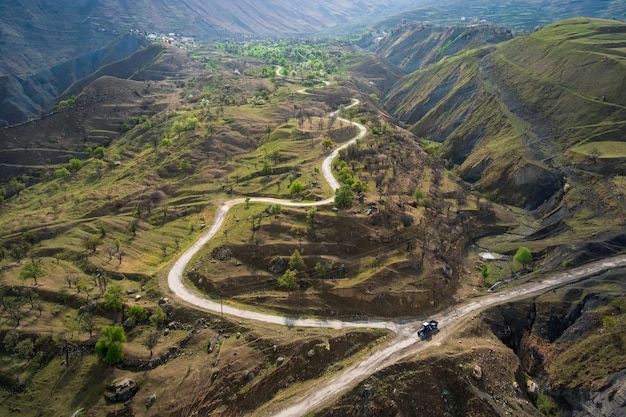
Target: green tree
x=151, y=341
x=113, y=298
x=16, y=185
x=418, y=194
x=137, y=312
x=275, y=209
x=344, y=196
x=184, y=166
x=10, y=340
x=25, y=349
x=523, y=256
x=310, y=216
x=296, y=262
x=32, y=270
x=75, y=164
x=62, y=173
x=99, y=152
x=327, y=144
x=266, y=169
x=296, y=187
x=88, y=323
x=485, y=271
x=158, y=317
x=18, y=251
x=360, y=186
x=320, y=270
x=110, y=346
x=92, y=243
x=289, y=281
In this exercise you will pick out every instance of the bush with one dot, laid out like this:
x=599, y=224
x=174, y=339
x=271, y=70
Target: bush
x=137, y=312
x=546, y=405
x=523, y=256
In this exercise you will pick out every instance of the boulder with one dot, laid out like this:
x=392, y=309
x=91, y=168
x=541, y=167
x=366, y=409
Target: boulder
x=151, y=399
x=477, y=372
x=121, y=391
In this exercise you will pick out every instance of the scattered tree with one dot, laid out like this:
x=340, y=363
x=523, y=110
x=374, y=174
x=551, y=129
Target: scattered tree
x=25, y=349
x=87, y=323
x=523, y=256
x=151, y=341
x=184, y=166
x=595, y=154
x=344, y=196
x=327, y=144
x=289, y=281
x=110, y=346
x=485, y=271
x=321, y=270
x=137, y=312
x=92, y=243
x=296, y=187
x=158, y=318
x=32, y=270
x=62, y=173
x=418, y=194
x=296, y=262
x=266, y=169
x=310, y=216
x=10, y=340
x=275, y=209
x=113, y=298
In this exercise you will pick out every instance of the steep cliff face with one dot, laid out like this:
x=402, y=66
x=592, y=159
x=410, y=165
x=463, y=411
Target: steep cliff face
x=571, y=345
x=416, y=45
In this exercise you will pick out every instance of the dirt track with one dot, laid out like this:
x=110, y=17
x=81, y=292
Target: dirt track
x=406, y=342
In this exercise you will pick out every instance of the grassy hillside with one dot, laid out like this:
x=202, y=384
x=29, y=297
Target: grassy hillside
x=535, y=122
x=128, y=173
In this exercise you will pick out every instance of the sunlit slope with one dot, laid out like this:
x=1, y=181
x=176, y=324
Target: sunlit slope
x=514, y=115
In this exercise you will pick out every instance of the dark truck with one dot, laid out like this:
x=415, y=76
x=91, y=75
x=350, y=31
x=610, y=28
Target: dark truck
x=427, y=329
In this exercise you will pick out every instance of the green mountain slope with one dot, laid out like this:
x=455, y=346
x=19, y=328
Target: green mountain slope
x=514, y=116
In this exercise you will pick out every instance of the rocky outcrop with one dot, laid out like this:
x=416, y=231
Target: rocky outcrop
x=121, y=391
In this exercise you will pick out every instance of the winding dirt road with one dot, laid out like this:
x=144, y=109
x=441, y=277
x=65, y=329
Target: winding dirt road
x=405, y=343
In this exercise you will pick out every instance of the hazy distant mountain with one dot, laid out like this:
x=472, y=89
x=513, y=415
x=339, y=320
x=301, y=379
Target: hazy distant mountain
x=44, y=44
x=36, y=34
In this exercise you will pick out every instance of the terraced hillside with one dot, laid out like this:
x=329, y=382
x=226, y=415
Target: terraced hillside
x=142, y=165
x=536, y=122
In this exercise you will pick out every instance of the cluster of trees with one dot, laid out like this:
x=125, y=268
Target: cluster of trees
x=112, y=338
x=290, y=55
x=19, y=302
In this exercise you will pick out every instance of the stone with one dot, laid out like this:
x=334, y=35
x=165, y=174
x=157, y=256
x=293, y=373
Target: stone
x=121, y=391
x=280, y=360
x=151, y=399
x=477, y=372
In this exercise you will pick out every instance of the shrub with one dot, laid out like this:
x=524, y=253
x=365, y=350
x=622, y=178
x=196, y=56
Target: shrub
x=523, y=256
